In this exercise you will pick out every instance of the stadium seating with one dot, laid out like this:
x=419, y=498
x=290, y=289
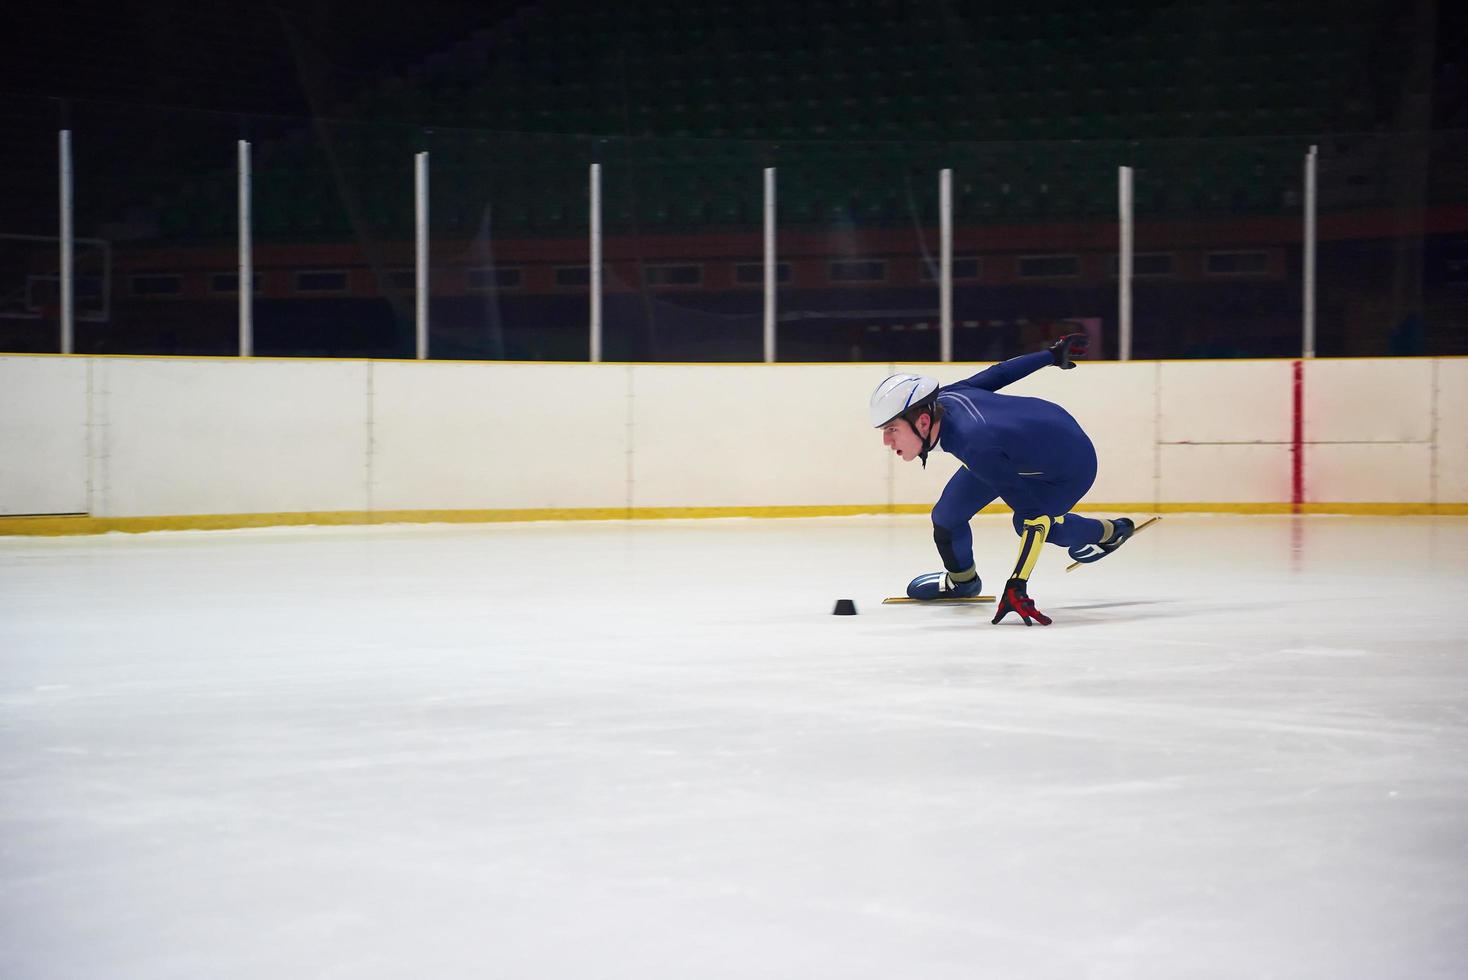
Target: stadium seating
x=858, y=102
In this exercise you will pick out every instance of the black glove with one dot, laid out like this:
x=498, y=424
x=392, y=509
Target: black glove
x=1017, y=600
x=1071, y=345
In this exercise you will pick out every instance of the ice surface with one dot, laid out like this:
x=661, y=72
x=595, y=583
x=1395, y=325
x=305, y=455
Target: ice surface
x=649, y=750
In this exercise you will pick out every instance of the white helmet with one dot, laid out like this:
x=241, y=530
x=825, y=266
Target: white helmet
x=898, y=394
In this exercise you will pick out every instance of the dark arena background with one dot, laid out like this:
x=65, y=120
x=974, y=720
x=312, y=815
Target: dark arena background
x=857, y=106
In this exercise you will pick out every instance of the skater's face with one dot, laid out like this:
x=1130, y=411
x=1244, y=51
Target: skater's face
x=899, y=436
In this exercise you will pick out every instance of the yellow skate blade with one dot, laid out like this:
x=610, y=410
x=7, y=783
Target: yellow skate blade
x=902, y=600
x=1147, y=523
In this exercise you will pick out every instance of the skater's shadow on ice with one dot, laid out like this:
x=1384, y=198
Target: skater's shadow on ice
x=1122, y=611
x=1125, y=604
x=1066, y=615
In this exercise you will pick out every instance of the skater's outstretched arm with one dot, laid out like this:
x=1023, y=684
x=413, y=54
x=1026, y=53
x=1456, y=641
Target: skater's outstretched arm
x=1008, y=372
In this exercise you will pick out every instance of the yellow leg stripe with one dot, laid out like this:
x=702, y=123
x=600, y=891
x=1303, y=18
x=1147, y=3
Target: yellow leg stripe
x=968, y=576
x=1033, y=541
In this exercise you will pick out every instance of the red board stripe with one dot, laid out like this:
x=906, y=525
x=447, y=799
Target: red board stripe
x=1297, y=442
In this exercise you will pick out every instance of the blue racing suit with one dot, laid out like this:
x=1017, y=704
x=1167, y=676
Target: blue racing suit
x=1028, y=452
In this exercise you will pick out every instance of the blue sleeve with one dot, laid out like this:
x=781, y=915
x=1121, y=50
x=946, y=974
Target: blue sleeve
x=1008, y=372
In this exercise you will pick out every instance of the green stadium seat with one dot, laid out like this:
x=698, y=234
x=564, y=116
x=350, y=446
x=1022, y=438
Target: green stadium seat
x=836, y=70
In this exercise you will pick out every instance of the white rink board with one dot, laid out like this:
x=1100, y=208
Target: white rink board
x=913, y=485
x=1252, y=474
x=732, y=435
x=1226, y=401
x=182, y=436
x=179, y=436
x=462, y=436
x=1373, y=400
x=1380, y=472
x=43, y=435
x=1451, y=458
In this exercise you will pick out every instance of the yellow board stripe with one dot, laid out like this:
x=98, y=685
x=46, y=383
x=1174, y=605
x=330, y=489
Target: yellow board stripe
x=84, y=524
x=1405, y=509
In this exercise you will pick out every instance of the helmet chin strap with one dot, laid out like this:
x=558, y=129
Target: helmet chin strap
x=928, y=444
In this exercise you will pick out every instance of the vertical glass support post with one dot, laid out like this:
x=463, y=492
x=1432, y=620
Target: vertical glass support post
x=770, y=267
x=596, y=264
x=246, y=270
x=945, y=266
x=68, y=246
x=420, y=251
x=1124, y=264
x=1307, y=346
